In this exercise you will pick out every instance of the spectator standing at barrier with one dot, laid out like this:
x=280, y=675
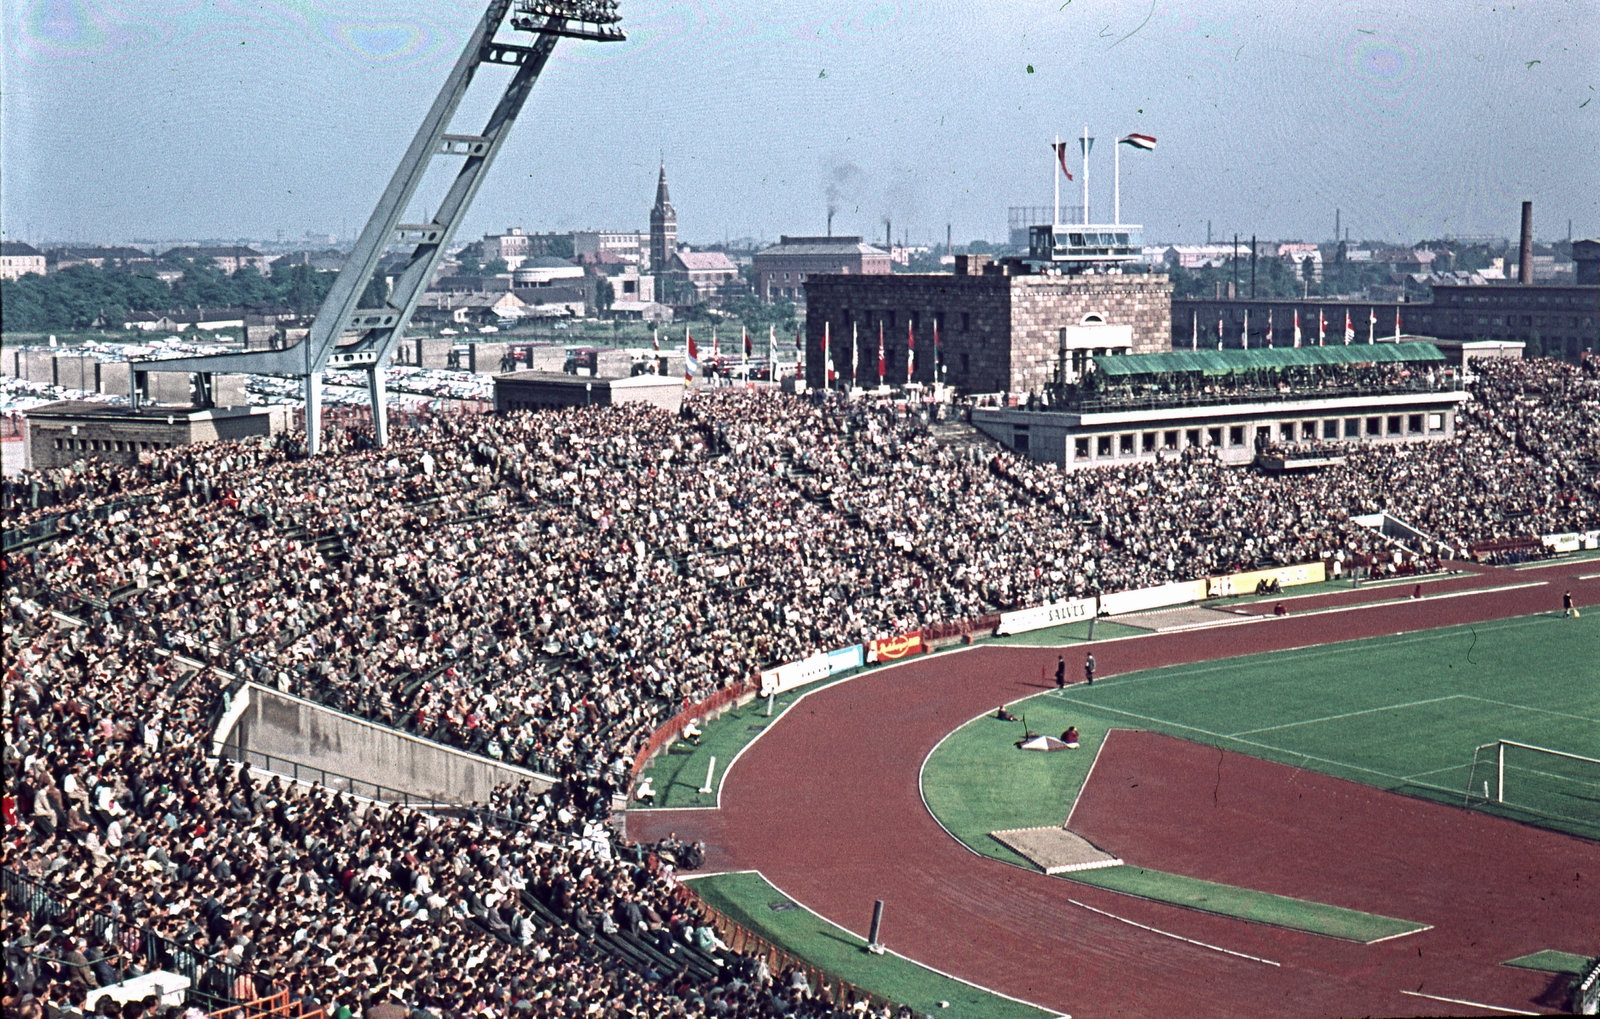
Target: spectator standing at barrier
x=1088, y=668
x=1061, y=672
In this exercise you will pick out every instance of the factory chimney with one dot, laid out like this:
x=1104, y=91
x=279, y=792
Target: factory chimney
x=1525, y=256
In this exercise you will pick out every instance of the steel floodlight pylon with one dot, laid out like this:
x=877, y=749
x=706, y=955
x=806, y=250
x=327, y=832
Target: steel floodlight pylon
x=344, y=335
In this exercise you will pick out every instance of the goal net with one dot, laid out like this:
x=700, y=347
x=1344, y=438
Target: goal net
x=1524, y=778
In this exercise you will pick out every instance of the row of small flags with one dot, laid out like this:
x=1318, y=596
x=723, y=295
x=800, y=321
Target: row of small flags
x=1138, y=141
x=691, y=364
x=1322, y=329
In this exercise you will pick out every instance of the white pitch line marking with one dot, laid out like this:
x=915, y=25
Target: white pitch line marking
x=1348, y=714
x=1179, y=937
x=1473, y=1004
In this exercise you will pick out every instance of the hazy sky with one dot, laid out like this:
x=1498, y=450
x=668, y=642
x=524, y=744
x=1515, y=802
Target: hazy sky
x=243, y=118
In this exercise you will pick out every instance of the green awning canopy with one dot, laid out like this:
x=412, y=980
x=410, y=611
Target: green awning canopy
x=1227, y=362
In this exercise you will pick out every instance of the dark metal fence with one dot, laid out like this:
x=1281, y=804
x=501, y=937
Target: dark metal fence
x=211, y=981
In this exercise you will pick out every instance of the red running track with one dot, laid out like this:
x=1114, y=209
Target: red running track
x=827, y=805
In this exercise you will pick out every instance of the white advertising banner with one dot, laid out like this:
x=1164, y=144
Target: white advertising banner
x=787, y=677
x=1049, y=614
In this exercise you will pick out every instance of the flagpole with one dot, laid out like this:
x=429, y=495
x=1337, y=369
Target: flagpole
x=1116, y=184
x=1055, y=154
x=1086, y=174
x=1194, y=327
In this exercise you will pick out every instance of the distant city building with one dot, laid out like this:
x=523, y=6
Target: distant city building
x=321, y=261
x=1297, y=253
x=544, y=270
x=694, y=277
x=18, y=260
x=512, y=247
x=663, y=227
x=230, y=259
x=600, y=246
x=1586, y=259
x=66, y=258
x=1563, y=319
x=1198, y=256
x=780, y=271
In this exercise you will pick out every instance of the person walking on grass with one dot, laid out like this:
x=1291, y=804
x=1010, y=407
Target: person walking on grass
x=1088, y=668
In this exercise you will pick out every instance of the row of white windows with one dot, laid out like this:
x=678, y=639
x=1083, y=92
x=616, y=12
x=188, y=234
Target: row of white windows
x=1087, y=447
x=107, y=445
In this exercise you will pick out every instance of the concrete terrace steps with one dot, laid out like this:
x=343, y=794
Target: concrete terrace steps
x=960, y=435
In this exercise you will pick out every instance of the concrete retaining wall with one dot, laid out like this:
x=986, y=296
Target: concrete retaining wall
x=309, y=734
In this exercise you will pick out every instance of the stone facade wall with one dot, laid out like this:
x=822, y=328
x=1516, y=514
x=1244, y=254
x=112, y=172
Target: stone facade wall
x=1042, y=305
x=973, y=314
x=996, y=332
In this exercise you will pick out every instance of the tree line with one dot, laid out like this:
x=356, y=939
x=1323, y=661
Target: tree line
x=84, y=297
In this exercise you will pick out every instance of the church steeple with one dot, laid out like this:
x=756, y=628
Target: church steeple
x=663, y=226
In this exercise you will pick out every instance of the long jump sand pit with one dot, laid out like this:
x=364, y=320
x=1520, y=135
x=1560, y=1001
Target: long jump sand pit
x=1055, y=850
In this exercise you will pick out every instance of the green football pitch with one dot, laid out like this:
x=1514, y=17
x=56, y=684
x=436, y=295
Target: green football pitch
x=1403, y=713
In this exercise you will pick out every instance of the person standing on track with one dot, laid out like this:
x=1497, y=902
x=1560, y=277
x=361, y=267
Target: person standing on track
x=1088, y=668
x=1566, y=605
x=1061, y=668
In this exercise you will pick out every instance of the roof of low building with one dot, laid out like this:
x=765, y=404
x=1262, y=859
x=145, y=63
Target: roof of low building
x=842, y=245
x=17, y=249
x=706, y=261
x=1226, y=362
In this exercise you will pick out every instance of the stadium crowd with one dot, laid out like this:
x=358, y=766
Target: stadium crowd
x=547, y=589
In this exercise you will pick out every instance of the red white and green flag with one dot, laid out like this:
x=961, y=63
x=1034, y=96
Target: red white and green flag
x=1138, y=141
x=882, y=365
x=1297, y=327
x=911, y=352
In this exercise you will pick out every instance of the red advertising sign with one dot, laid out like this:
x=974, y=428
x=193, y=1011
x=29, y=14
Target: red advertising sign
x=898, y=647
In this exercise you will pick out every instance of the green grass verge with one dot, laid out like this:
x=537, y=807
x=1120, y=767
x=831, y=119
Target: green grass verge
x=1068, y=633
x=1402, y=713
x=748, y=898
x=1247, y=904
x=1551, y=961
x=678, y=771
x=977, y=782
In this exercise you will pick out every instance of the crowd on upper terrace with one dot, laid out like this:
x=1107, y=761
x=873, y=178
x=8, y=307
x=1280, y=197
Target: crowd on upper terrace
x=547, y=589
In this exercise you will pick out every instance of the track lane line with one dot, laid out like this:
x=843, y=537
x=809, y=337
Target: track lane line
x=1178, y=937
x=1473, y=1004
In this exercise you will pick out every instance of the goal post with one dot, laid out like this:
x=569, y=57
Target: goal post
x=1525, y=778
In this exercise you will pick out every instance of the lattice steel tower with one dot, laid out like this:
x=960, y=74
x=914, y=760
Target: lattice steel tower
x=344, y=335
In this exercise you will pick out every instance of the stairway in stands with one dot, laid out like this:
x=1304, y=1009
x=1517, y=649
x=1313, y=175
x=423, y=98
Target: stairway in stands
x=961, y=437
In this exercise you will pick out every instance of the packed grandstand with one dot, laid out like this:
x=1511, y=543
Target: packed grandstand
x=548, y=589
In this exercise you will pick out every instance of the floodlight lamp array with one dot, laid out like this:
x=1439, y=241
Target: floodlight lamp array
x=595, y=20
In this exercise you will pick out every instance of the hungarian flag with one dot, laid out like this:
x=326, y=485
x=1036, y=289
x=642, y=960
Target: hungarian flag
x=691, y=358
x=1322, y=328
x=747, y=347
x=1219, y=332
x=911, y=352
x=1297, y=327
x=827, y=356
x=655, y=342
x=715, y=353
x=882, y=366
x=1061, y=157
x=1397, y=325
x=1349, y=330
x=1244, y=331
x=1269, y=329
x=1138, y=141
x=1372, y=323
